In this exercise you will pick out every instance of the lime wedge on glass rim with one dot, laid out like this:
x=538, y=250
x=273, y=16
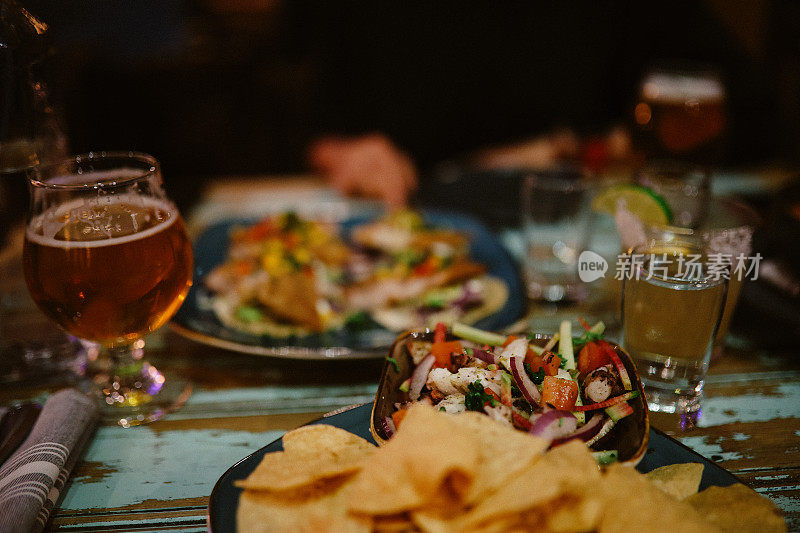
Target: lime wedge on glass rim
x=649, y=206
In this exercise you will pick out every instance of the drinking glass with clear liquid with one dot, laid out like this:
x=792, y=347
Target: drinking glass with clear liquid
x=672, y=302
x=556, y=222
x=107, y=258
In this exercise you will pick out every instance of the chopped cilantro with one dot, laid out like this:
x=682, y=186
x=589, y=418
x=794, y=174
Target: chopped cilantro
x=468, y=351
x=248, y=313
x=476, y=397
x=291, y=221
x=442, y=409
x=581, y=341
x=537, y=377
x=358, y=321
x=395, y=363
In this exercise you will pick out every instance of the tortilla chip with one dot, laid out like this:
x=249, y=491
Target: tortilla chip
x=281, y=471
x=504, y=452
x=311, y=454
x=738, y=509
x=632, y=503
x=392, y=524
x=323, y=510
x=318, y=438
x=432, y=452
x=679, y=480
x=567, y=469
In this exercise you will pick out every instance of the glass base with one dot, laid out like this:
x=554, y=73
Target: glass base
x=138, y=393
x=674, y=401
x=556, y=292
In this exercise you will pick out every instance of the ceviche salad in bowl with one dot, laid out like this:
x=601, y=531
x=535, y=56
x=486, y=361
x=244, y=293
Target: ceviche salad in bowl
x=556, y=387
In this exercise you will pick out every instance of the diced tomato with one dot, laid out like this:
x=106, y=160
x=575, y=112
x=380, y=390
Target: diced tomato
x=292, y=240
x=398, y=416
x=509, y=340
x=591, y=356
x=441, y=351
x=491, y=393
x=440, y=333
x=534, y=361
x=552, y=362
x=427, y=267
x=259, y=231
x=559, y=392
x=520, y=421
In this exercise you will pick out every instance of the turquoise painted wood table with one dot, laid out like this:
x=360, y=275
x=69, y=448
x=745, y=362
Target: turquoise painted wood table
x=159, y=477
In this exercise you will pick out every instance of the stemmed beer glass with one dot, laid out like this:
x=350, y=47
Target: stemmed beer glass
x=106, y=256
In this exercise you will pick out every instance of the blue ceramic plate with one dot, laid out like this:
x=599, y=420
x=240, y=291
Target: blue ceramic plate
x=368, y=340
x=663, y=450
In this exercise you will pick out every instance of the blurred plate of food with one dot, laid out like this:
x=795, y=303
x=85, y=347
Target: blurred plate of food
x=458, y=473
x=292, y=287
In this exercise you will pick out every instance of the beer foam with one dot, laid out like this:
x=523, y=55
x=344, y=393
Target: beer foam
x=680, y=87
x=98, y=176
x=44, y=233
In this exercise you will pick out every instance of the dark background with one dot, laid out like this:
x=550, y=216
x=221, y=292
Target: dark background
x=216, y=87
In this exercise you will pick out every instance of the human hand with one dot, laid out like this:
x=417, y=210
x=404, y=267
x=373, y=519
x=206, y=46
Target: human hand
x=370, y=165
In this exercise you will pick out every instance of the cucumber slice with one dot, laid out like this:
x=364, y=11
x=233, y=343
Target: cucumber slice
x=606, y=457
x=565, y=345
x=619, y=411
x=478, y=335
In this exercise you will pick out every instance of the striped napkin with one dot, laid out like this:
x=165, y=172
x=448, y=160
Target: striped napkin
x=31, y=479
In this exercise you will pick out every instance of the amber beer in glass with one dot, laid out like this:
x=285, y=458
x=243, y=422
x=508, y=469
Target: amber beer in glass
x=106, y=256
x=681, y=115
x=111, y=288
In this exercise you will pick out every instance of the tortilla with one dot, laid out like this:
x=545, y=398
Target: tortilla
x=403, y=317
x=225, y=310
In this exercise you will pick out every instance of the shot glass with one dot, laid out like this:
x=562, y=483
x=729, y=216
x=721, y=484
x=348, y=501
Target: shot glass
x=556, y=220
x=673, y=297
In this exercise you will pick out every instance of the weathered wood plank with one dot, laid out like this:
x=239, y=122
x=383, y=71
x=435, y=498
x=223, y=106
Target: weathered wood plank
x=169, y=464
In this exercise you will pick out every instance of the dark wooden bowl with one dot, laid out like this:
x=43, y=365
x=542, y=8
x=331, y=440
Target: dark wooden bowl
x=629, y=436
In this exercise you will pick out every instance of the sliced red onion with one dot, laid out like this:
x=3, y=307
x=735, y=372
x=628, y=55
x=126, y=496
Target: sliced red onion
x=420, y=376
x=469, y=298
x=526, y=386
x=388, y=427
x=485, y=356
x=585, y=432
x=555, y=424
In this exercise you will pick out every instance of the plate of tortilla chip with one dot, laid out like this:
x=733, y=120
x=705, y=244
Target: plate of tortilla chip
x=293, y=287
x=444, y=473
